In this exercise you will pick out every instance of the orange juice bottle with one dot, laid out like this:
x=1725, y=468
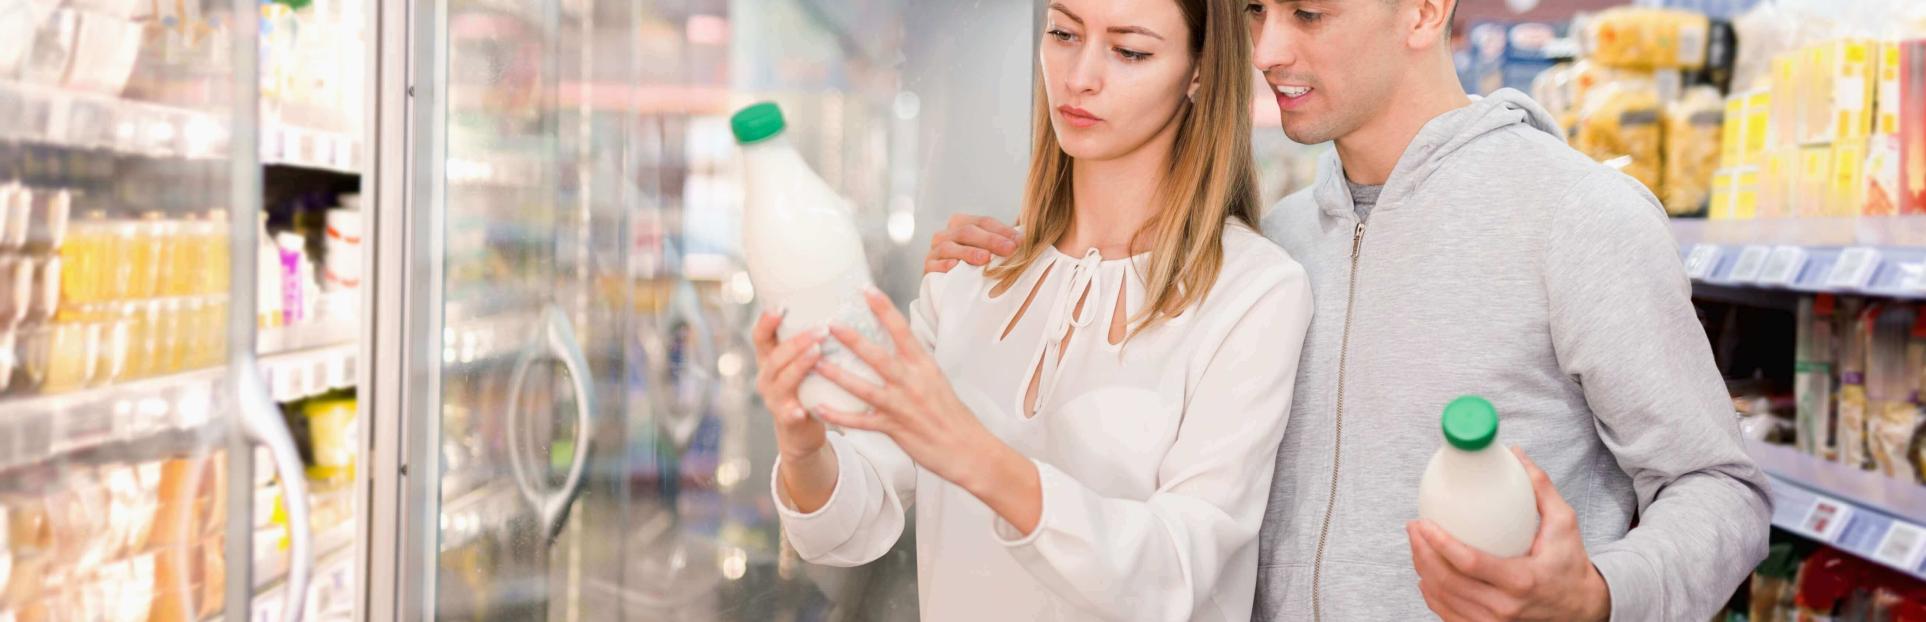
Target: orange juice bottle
x=214, y=271
x=189, y=254
x=81, y=259
x=149, y=250
x=122, y=254
x=140, y=351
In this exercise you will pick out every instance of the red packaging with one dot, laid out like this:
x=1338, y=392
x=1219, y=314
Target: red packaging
x=1912, y=127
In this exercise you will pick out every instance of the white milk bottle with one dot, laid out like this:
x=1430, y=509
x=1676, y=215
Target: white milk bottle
x=1475, y=489
x=804, y=254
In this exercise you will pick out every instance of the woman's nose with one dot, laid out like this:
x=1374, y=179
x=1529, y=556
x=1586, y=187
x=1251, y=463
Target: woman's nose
x=1086, y=71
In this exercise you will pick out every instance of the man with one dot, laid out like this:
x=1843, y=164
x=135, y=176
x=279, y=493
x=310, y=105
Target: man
x=1458, y=246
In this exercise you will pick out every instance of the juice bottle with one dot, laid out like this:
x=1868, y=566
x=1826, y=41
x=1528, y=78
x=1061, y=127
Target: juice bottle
x=1475, y=488
x=140, y=335
x=149, y=253
x=122, y=256
x=802, y=249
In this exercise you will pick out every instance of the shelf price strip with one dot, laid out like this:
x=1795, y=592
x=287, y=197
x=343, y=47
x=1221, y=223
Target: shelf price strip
x=1854, y=270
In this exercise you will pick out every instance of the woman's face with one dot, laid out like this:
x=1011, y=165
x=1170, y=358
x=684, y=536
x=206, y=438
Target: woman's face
x=1116, y=73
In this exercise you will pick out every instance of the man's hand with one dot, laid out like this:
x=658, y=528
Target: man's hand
x=969, y=239
x=1555, y=581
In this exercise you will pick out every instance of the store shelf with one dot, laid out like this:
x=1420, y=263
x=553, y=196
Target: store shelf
x=62, y=118
x=286, y=145
x=333, y=575
x=1883, y=257
x=1868, y=514
x=168, y=414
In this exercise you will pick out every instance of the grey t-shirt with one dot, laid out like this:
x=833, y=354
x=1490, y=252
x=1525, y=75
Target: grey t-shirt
x=1363, y=197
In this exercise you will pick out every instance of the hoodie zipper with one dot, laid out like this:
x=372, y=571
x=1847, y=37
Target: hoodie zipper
x=1337, y=442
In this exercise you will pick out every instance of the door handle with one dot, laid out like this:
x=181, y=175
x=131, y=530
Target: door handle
x=557, y=341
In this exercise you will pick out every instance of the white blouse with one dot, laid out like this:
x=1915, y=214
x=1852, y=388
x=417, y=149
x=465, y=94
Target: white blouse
x=1155, y=455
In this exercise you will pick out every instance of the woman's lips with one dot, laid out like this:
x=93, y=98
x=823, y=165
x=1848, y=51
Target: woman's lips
x=1078, y=117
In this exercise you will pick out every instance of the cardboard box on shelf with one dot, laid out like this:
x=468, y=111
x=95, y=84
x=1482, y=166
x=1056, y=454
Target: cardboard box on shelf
x=1881, y=187
x=1812, y=185
x=1847, y=189
x=1757, y=129
x=1776, y=183
x=1745, y=194
x=1785, y=92
x=1720, y=206
x=1912, y=128
x=1732, y=133
x=1886, y=90
x=1849, y=71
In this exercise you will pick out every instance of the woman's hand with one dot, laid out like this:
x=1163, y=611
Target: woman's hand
x=916, y=407
x=969, y=239
x=808, y=472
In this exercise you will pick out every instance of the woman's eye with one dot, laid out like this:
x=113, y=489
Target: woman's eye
x=1132, y=55
x=1255, y=9
x=1308, y=17
x=1061, y=35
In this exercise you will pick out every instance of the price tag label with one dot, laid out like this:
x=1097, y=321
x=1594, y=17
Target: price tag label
x=344, y=155
x=1782, y=268
x=1827, y=519
x=268, y=607
x=1902, y=546
x=1751, y=261
x=1854, y=269
x=1915, y=278
x=1700, y=262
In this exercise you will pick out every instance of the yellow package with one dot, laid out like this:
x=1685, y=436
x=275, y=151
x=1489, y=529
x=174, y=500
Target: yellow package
x=1619, y=126
x=1786, y=99
x=1692, y=126
x=1721, y=207
x=1776, y=181
x=1732, y=132
x=1757, y=128
x=1881, y=196
x=1851, y=63
x=1745, y=195
x=1886, y=106
x=1847, y=190
x=1812, y=185
x=1644, y=38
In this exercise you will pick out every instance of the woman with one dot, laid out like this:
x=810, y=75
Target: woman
x=1094, y=433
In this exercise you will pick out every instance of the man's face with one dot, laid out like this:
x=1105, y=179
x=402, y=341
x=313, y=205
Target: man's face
x=1332, y=64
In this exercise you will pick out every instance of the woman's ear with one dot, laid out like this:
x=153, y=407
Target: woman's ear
x=1195, y=82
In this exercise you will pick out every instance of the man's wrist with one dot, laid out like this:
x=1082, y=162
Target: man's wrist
x=1596, y=604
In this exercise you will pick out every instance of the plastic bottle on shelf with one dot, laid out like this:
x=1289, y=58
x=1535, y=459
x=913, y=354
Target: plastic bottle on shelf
x=1475, y=488
x=269, y=288
x=294, y=265
x=342, y=255
x=803, y=251
x=1813, y=376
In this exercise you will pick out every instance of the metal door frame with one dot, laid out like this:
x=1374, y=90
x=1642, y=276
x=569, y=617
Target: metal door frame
x=403, y=375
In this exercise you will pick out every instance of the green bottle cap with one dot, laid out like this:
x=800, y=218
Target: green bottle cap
x=1470, y=423
x=757, y=123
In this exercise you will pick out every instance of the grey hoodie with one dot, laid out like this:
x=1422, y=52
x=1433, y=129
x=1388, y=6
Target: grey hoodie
x=1501, y=262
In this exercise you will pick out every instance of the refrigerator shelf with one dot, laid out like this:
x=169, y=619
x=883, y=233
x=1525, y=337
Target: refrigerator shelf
x=76, y=120
x=1862, y=512
x=158, y=416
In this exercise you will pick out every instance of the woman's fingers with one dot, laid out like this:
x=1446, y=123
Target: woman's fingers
x=782, y=355
x=763, y=334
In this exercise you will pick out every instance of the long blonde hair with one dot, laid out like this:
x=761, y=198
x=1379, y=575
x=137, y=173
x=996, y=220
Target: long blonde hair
x=1211, y=176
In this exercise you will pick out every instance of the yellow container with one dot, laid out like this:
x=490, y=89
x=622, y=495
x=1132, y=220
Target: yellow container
x=1746, y=195
x=1786, y=97
x=1776, y=181
x=1886, y=106
x=1720, y=207
x=1758, y=128
x=1848, y=186
x=1812, y=186
x=1732, y=134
